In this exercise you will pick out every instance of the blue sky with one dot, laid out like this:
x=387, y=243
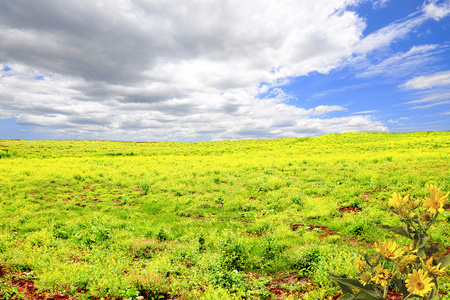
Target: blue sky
x=213, y=70
x=382, y=94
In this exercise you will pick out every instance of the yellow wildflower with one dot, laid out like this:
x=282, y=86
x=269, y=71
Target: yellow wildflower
x=413, y=204
x=397, y=201
x=382, y=276
x=402, y=268
x=388, y=249
x=374, y=259
x=365, y=278
x=361, y=265
x=405, y=262
x=419, y=283
x=413, y=216
x=425, y=215
x=410, y=248
x=431, y=268
x=409, y=259
x=435, y=203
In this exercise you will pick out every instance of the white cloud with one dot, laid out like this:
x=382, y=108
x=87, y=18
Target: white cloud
x=169, y=70
x=379, y=3
x=384, y=37
x=398, y=120
x=364, y=112
x=430, y=90
x=401, y=64
x=389, y=34
x=436, y=11
x=324, y=109
x=431, y=99
x=430, y=81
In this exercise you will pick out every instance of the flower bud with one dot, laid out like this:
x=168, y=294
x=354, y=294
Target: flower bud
x=413, y=216
x=403, y=268
x=402, y=213
x=425, y=215
x=365, y=278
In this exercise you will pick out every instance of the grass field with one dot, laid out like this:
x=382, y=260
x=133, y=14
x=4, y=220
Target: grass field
x=255, y=219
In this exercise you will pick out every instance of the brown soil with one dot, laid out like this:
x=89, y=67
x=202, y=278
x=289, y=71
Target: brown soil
x=279, y=292
x=392, y=295
x=27, y=288
x=348, y=209
x=328, y=231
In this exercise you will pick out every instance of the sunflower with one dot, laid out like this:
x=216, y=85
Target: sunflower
x=419, y=283
x=360, y=264
x=409, y=259
x=403, y=268
x=435, y=270
x=435, y=203
x=389, y=249
x=382, y=276
x=411, y=248
x=365, y=278
x=397, y=201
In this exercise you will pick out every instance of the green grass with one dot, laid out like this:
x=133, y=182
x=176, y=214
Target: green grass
x=211, y=220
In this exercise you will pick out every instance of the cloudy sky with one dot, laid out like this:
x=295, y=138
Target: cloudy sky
x=201, y=70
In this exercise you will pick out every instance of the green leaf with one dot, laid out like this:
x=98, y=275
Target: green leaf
x=444, y=260
x=368, y=259
x=421, y=253
x=363, y=295
x=348, y=283
x=346, y=297
x=435, y=289
x=401, y=287
x=346, y=290
x=420, y=242
x=430, y=251
x=398, y=230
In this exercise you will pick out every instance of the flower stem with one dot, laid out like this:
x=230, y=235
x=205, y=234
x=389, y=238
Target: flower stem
x=408, y=296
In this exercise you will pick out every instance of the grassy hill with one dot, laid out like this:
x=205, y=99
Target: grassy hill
x=250, y=219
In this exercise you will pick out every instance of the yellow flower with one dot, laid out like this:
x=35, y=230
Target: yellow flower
x=435, y=203
x=433, y=269
x=419, y=283
x=382, y=276
x=365, y=278
x=410, y=248
x=374, y=259
x=360, y=264
x=425, y=215
x=405, y=262
x=388, y=249
x=402, y=268
x=413, y=204
x=409, y=259
x=397, y=201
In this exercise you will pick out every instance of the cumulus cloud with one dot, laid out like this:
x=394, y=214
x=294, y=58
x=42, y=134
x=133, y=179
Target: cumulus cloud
x=437, y=11
x=323, y=109
x=169, y=70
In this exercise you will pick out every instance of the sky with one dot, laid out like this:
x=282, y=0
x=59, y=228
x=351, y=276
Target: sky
x=206, y=70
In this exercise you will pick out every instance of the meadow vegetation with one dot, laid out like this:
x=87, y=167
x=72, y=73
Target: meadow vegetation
x=256, y=219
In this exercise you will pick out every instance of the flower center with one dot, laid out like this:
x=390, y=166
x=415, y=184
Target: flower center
x=389, y=253
x=436, y=205
x=419, y=285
